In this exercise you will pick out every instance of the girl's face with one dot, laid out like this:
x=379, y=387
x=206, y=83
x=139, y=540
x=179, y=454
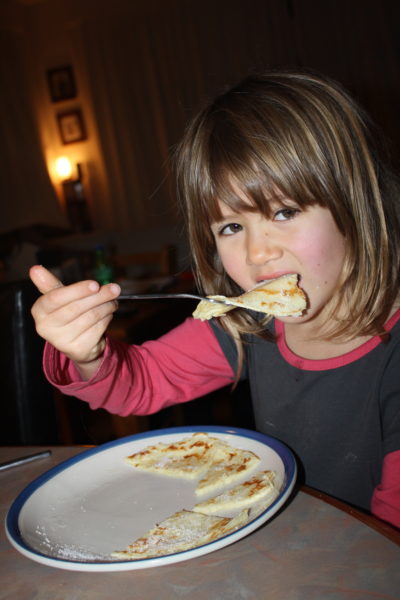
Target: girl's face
x=307, y=241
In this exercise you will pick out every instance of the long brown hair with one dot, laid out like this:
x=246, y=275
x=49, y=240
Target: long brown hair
x=302, y=135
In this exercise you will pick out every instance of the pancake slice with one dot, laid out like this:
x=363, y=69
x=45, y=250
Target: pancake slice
x=182, y=531
x=280, y=297
x=188, y=458
x=213, y=460
x=228, y=466
x=259, y=488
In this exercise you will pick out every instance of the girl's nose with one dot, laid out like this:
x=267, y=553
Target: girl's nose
x=261, y=249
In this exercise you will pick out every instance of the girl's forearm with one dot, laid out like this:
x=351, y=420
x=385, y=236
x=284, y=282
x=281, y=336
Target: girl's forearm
x=182, y=365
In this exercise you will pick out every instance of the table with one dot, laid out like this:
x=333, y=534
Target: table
x=312, y=550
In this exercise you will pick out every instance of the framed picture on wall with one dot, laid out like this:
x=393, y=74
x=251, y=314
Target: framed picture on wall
x=71, y=126
x=61, y=83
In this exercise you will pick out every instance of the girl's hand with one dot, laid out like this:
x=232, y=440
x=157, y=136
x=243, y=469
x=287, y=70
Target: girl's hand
x=74, y=318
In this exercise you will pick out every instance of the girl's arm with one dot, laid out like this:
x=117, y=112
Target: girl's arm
x=184, y=364
x=386, y=498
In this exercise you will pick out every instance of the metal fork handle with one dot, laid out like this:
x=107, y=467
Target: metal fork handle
x=155, y=296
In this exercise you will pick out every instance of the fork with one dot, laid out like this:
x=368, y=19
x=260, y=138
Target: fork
x=181, y=296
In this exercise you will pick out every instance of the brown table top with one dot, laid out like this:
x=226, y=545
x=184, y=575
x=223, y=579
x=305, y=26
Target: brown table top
x=312, y=550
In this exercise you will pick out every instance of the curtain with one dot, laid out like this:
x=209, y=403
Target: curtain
x=150, y=64
x=150, y=68
x=27, y=196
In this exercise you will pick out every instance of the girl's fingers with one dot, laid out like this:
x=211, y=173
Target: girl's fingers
x=87, y=345
x=61, y=296
x=93, y=333
x=69, y=296
x=67, y=305
x=89, y=319
x=78, y=338
x=56, y=295
x=70, y=321
x=73, y=300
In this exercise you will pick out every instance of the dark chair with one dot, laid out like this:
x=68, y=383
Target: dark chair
x=156, y=262
x=28, y=400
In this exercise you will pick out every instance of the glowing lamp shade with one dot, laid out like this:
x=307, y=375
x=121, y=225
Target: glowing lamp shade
x=63, y=167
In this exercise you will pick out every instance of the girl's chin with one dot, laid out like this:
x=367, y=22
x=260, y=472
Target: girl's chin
x=305, y=316
x=289, y=319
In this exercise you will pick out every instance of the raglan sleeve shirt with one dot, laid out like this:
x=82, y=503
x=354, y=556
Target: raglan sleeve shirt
x=385, y=501
x=184, y=364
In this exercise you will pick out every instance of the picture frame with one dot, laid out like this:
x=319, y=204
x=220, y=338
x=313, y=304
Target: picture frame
x=71, y=126
x=61, y=82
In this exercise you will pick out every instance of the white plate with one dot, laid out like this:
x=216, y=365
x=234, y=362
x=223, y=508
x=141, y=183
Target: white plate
x=73, y=516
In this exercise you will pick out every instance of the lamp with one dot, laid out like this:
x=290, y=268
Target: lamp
x=63, y=167
x=74, y=198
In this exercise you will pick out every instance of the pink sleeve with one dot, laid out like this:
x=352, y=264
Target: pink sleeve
x=385, y=502
x=182, y=365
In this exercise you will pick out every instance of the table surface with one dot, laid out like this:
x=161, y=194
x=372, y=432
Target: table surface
x=312, y=550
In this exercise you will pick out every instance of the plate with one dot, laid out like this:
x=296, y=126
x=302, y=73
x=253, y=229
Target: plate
x=74, y=515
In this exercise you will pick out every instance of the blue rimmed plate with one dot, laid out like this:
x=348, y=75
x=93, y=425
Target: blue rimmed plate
x=74, y=515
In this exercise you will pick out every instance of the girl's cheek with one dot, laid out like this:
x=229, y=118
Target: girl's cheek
x=227, y=255
x=232, y=265
x=312, y=252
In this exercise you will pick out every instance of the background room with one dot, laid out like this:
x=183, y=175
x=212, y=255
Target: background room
x=108, y=87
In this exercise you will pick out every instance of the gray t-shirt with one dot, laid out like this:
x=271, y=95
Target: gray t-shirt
x=340, y=417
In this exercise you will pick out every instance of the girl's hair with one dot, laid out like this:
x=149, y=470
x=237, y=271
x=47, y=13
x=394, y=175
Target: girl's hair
x=298, y=135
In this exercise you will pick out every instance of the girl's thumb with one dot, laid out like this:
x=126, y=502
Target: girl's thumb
x=43, y=279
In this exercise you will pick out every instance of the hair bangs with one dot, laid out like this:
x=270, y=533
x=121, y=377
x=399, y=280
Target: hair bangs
x=247, y=174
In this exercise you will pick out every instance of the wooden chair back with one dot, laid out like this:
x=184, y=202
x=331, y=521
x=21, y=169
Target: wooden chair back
x=160, y=260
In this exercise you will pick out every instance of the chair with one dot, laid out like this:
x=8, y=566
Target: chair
x=29, y=411
x=156, y=262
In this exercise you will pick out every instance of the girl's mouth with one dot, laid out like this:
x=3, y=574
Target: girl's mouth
x=275, y=275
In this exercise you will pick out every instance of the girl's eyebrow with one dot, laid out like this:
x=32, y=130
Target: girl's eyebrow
x=216, y=223
x=227, y=217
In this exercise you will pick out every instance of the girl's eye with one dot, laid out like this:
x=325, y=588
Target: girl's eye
x=230, y=229
x=286, y=214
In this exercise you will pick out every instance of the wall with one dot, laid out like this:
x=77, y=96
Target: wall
x=143, y=67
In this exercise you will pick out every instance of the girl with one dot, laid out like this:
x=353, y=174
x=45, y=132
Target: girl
x=278, y=175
